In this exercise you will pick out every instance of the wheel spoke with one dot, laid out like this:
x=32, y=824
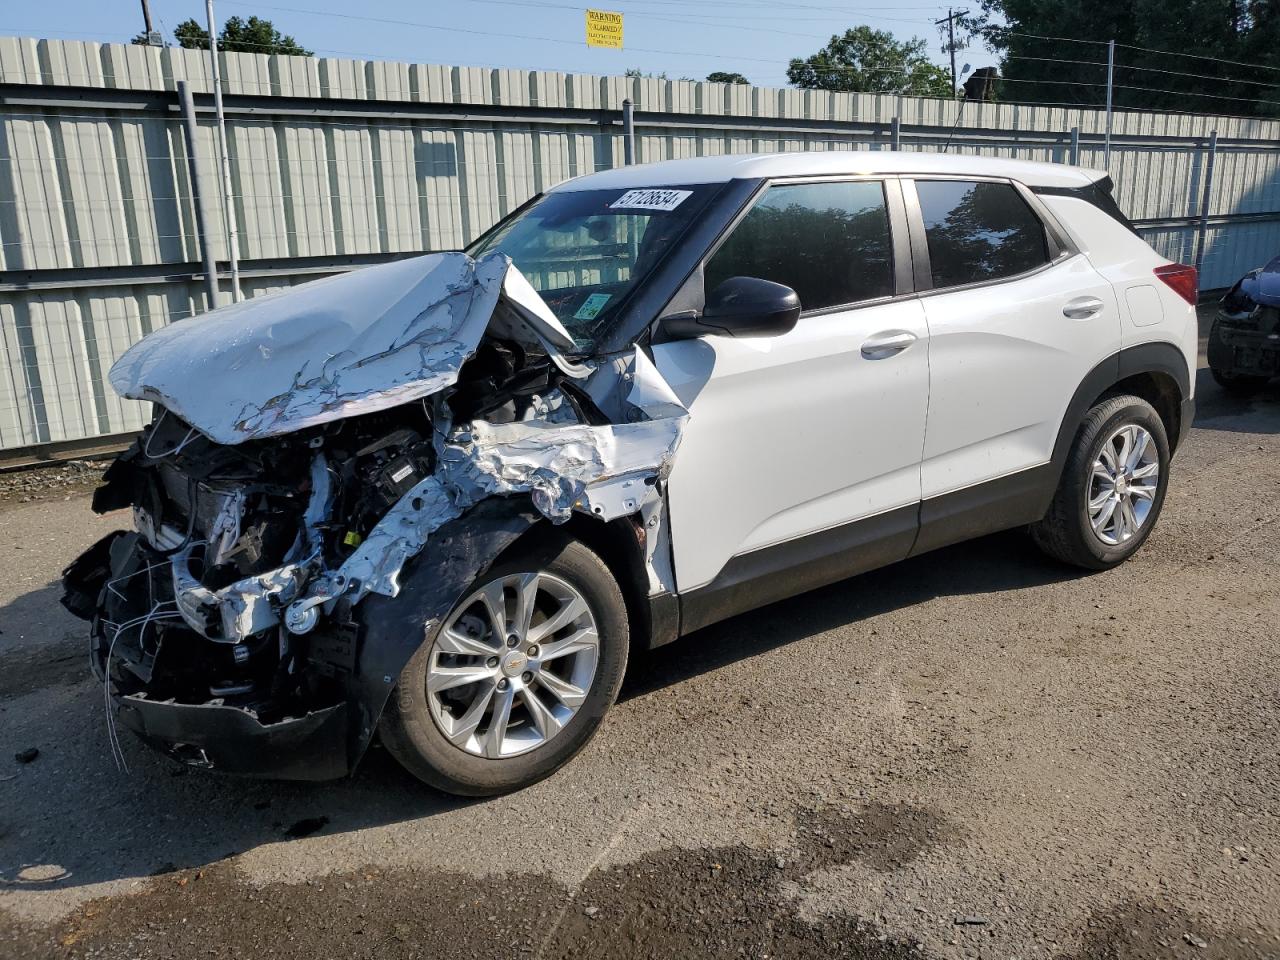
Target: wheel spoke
x=584, y=639
x=526, y=589
x=453, y=640
x=1148, y=470
x=1128, y=522
x=562, y=690
x=570, y=610
x=1126, y=446
x=1139, y=448
x=501, y=716
x=543, y=719
x=495, y=604
x=1142, y=493
x=1107, y=455
x=441, y=678
x=466, y=724
x=1104, y=515
x=1098, y=502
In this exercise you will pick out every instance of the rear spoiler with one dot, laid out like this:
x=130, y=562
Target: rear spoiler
x=1098, y=194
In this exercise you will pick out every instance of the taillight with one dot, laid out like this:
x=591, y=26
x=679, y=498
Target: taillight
x=1183, y=280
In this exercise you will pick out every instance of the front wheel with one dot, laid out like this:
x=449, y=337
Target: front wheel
x=517, y=677
x=1112, y=486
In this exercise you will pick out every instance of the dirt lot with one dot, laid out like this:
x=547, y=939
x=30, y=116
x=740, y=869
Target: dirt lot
x=975, y=753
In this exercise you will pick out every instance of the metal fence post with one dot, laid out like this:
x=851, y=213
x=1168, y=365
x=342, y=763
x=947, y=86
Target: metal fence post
x=895, y=133
x=1075, y=146
x=233, y=233
x=628, y=134
x=206, y=254
x=1210, y=156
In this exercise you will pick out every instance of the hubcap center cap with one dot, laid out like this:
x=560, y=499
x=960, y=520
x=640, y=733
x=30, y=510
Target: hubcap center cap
x=1122, y=485
x=514, y=663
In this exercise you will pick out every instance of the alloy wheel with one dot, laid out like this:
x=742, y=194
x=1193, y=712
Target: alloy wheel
x=512, y=665
x=1123, y=484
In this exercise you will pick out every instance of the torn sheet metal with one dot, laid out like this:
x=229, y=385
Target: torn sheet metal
x=608, y=471
x=351, y=344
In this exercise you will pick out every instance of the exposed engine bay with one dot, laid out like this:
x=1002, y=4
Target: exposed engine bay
x=298, y=461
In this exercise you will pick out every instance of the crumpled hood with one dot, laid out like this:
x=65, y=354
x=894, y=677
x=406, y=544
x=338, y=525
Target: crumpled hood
x=334, y=348
x=1263, y=285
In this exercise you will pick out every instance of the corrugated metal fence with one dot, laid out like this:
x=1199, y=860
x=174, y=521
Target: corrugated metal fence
x=337, y=163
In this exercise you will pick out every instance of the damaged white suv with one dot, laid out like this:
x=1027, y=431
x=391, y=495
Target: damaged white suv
x=441, y=499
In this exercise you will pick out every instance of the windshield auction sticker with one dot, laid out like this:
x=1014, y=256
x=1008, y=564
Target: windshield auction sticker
x=651, y=200
x=592, y=306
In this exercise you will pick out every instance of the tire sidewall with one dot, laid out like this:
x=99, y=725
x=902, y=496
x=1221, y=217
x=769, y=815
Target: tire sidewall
x=1130, y=410
x=412, y=736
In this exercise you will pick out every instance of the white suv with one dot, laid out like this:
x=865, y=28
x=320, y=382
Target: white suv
x=442, y=498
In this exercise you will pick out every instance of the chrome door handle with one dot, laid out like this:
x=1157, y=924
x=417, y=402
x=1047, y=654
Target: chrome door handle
x=887, y=344
x=1082, y=308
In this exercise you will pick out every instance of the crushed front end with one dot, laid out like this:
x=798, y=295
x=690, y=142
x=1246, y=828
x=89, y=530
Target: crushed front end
x=252, y=621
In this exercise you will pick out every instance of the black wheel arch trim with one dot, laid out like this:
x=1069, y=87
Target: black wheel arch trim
x=1155, y=357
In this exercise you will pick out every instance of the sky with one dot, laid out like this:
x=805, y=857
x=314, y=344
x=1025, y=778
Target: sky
x=681, y=38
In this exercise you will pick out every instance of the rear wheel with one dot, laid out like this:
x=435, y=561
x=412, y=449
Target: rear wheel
x=517, y=677
x=1112, y=486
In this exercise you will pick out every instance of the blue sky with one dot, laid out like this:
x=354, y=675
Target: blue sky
x=679, y=37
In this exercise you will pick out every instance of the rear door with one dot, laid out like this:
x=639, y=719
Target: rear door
x=1016, y=318
x=795, y=436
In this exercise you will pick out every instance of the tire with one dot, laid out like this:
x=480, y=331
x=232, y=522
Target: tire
x=495, y=759
x=1220, y=356
x=1067, y=532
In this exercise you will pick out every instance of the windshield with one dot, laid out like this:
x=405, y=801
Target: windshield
x=584, y=251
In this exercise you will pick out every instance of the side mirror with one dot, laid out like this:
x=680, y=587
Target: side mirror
x=739, y=307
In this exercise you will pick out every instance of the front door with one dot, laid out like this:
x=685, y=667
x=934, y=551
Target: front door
x=793, y=438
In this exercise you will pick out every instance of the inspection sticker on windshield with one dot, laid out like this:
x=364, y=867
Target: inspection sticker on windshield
x=592, y=306
x=651, y=200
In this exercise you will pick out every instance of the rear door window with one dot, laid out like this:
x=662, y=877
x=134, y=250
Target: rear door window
x=978, y=230
x=829, y=242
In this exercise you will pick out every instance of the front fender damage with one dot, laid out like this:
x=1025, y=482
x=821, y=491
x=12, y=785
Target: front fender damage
x=310, y=500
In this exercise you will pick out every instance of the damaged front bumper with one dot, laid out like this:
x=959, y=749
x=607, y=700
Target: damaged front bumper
x=232, y=740
x=1245, y=340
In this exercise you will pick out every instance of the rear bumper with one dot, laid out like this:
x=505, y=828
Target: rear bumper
x=232, y=740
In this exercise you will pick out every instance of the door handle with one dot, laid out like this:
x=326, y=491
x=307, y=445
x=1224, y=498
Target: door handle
x=1082, y=308
x=884, y=345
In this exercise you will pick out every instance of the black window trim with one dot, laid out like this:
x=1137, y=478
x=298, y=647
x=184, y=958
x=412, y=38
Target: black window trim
x=899, y=239
x=1060, y=247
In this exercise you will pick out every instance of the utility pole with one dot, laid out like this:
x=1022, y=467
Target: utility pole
x=153, y=39
x=1111, y=73
x=950, y=21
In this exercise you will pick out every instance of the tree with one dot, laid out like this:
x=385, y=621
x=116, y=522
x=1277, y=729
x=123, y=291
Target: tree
x=254, y=35
x=1040, y=70
x=871, y=61
x=720, y=76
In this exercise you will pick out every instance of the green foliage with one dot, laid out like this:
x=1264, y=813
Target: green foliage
x=1247, y=31
x=871, y=61
x=254, y=35
x=720, y=76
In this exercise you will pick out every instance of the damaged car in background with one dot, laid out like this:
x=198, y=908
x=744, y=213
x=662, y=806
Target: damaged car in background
x=1244, y=341
x=439, y=501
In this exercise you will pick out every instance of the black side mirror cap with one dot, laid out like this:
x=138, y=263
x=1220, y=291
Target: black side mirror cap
x=739, y=307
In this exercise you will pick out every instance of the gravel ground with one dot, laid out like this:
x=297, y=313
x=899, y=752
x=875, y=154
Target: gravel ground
x=57, y=481
x=974, y=753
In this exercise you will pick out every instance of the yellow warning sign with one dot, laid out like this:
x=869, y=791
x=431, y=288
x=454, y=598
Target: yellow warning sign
x=604, y=29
